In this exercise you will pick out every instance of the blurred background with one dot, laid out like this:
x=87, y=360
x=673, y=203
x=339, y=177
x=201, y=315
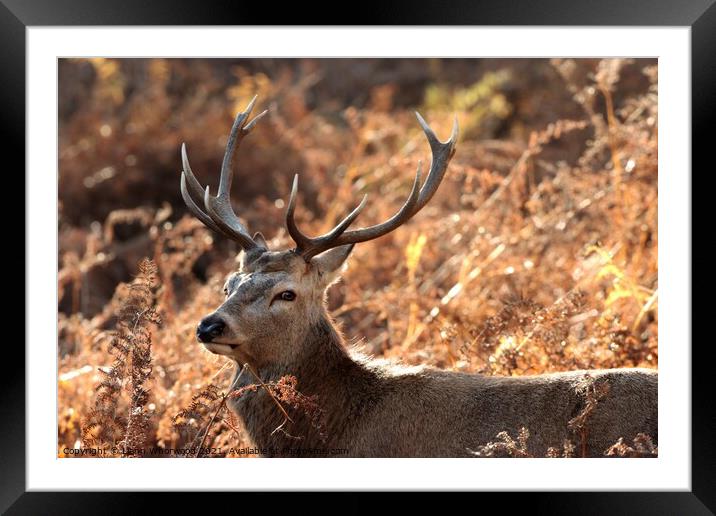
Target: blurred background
x=538, y=252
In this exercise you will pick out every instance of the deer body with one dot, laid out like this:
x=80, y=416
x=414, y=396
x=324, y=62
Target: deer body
x=274, y=319
x=376, y=409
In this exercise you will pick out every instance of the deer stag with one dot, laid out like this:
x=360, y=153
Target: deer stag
x=274, y=318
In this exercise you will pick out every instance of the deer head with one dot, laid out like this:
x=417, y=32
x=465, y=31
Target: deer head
x=277, y=297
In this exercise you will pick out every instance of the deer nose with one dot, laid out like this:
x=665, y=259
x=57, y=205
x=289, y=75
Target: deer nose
x=209, y=328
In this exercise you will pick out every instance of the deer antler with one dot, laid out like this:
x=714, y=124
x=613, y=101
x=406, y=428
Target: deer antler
x=419, y=196
x=219, y=215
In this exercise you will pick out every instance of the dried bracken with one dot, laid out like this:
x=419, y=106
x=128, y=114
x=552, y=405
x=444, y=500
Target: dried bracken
x=284, y=391
x=505, y=446
x=208, y=411
x=131, y=344
x=592, y=392
x=643, y=447
x=566, y=453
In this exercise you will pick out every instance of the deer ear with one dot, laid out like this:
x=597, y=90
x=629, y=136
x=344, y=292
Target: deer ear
x=259, y=239
x=330, y=261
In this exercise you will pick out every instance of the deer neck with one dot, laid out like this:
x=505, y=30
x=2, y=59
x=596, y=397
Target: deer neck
x=341, y=385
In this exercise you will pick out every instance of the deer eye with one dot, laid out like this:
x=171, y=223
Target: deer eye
x=286, y=295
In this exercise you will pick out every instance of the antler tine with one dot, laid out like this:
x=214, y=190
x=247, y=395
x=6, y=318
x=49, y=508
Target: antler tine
x=418, y=198
x=190, y=183
x=238, y=131
x=196, y=210
x=301, y=240
x=401, y=217
x=309, y=247
x=442, y=153
x=219, y=215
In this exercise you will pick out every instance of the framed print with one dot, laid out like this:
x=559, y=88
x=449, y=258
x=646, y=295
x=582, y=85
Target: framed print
x=443, y=252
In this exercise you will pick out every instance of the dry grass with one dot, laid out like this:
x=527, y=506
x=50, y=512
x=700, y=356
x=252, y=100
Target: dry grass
x=537, y=254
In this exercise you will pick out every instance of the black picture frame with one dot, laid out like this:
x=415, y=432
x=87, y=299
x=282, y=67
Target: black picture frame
x=17, y=15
